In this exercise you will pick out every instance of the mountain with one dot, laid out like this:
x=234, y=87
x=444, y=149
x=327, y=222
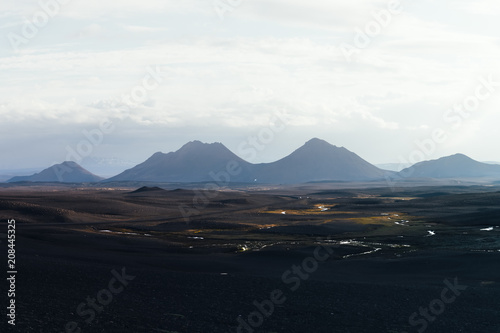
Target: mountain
x=66, y=172
x=454, y=166
x=317, y=160
x=193, y=162
x=5, y=175
x=146, y=189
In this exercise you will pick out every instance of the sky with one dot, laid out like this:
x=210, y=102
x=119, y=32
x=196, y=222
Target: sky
x=108, y=83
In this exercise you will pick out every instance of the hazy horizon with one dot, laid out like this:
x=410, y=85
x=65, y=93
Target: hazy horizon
x=111, y=167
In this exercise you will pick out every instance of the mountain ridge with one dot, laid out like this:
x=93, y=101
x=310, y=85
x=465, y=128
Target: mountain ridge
x=316, y=160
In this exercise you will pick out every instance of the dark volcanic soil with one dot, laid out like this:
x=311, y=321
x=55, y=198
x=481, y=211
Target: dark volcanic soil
x=379, y=264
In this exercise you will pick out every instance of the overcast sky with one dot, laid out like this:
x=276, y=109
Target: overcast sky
x=219, y=71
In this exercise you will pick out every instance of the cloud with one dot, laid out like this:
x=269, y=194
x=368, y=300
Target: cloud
x=231, y=86
x=324, y=14
x=91, y=30
x=481, y=7
x=226, y=78
x=143, y=29
x=96, y=8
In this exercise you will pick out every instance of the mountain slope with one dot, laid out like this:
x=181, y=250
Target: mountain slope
x=194, y=162
x=317, y=160
x=454, y=166
x=66, y=172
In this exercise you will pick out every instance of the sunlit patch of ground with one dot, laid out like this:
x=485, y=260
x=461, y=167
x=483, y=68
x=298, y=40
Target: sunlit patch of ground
x=318, y=209
x=385, y=219
x=487, y=283
x=377, y=196
x=294, y=212
x=400, y=198
x=268, y=226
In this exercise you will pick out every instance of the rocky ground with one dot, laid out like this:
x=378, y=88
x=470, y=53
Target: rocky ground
x=296, y=260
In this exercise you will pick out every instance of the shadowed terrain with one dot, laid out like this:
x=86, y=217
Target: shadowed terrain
x=201, y=259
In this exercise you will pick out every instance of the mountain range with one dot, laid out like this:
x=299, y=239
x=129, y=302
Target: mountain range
x=317, y=160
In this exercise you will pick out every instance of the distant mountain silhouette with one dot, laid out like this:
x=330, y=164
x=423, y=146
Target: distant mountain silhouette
x=193, y=162
x=317, y=160
x=66, y=172
x=147, y=189
x=454, y=166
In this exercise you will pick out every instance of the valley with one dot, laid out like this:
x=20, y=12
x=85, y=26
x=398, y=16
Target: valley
x=334, y=251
